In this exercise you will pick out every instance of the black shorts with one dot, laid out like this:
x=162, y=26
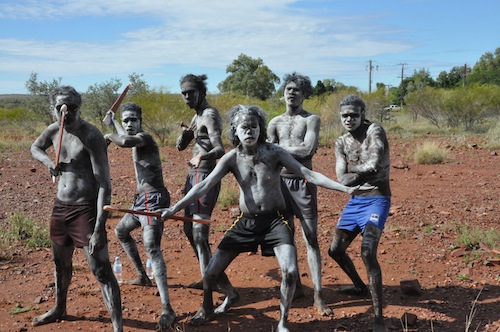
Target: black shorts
x=301, y=197
x=206, y=203
x=248, y=231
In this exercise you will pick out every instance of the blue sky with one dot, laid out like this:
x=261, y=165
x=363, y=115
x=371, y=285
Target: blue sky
x=87, y=42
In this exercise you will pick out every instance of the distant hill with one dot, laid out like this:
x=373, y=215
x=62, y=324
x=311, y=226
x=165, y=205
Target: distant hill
x=12, y=97
x=12, y=100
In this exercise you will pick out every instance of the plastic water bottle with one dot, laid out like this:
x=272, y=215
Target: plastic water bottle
x=117, y=269
x=149, y=269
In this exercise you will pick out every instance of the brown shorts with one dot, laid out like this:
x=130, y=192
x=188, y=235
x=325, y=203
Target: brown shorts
x=72, y=223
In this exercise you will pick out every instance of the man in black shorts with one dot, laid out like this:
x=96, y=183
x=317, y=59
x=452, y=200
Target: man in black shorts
x=151, y=195
x=78, y=219
x=297, y=131
x=206, y=130
x=256, y=164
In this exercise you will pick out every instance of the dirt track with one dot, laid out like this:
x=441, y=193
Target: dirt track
x=429, y=204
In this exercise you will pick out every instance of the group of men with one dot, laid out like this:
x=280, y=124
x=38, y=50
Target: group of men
x=273, y=168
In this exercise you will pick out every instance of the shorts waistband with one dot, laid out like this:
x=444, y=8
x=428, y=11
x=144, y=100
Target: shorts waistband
x=263, y=214
x=83, y=203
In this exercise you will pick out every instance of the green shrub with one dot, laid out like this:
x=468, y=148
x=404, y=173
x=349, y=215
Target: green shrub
x=22, y=228
x=430, y=153
x=229, y=195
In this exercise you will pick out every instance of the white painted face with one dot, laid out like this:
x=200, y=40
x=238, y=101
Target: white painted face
x=73, y=110
x=190, y=94
x=248, y=130
x=131, y=122
x=351, y=117
x=293, y=95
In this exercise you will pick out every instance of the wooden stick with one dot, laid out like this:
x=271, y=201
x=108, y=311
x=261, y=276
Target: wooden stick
x=155, y=214
x=116, y=104
x=63, y=110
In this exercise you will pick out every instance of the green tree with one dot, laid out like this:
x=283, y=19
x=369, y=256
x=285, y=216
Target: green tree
x=249, y=77
x=420, y=79
x=39, y=98
x=319, y=89
x=452, y=79
x=99, y=98
x=472, y=105
x=428, y=103
x=487, y=69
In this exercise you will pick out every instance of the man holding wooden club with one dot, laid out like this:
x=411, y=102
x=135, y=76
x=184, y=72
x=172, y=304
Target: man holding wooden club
x=78, y=219
x=151, y=195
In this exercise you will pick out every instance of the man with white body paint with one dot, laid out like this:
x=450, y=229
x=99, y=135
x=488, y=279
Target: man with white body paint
x=151, y=195
x=362, y=158
x=256, y=165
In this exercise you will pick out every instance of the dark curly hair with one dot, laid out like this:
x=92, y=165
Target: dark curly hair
x=234, y=116
x=302, y=81
x=198, y=80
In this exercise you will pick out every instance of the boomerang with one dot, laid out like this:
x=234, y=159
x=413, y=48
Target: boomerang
x=155, y=214
x=116, y=104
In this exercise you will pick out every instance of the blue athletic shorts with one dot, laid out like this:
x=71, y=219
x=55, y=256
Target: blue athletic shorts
x=363, y=210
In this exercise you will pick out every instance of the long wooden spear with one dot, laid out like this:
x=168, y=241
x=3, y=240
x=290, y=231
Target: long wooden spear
x=155, y=214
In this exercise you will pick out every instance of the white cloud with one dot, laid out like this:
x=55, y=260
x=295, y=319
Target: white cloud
x=190, y=33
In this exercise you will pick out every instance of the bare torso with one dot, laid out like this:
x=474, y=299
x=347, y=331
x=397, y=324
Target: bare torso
x=147, y=164
x=258, y=178
x=83, y=157
x=207, y=130
x=297, y=134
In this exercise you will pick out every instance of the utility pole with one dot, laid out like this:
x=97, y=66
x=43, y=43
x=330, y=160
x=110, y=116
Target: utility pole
x=401, y=85
x=465, y=75
x=370, y=68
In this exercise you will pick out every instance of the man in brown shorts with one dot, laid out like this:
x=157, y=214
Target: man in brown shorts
x=78, y=219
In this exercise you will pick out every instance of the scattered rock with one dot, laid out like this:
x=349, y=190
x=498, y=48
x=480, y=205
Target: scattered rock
x=409, y=320
x=410, y=287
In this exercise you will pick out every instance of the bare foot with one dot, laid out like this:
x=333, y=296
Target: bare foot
x=201, y=318
x=321, y=306
x=49, y=317
x=229, y=301
x=141, y=281
x=353, y=290
x=166, y=320
x=196, y=285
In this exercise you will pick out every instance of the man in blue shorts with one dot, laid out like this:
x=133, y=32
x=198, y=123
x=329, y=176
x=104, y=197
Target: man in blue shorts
x=362, y=158
x=151, y=195
x=206, y=131
x=256, y=165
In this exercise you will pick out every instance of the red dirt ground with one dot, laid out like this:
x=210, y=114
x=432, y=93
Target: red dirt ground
x=430, y=202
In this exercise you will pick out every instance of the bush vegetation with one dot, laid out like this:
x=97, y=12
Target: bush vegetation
x=430, y=153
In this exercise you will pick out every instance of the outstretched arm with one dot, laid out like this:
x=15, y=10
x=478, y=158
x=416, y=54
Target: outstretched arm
x=127, y=141
x=314, y=177
x=201, y=188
